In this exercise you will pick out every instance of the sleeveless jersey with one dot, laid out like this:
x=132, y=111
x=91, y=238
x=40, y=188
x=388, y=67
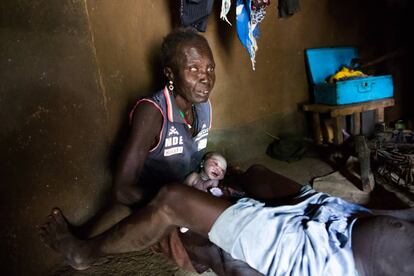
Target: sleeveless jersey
x=178, y=153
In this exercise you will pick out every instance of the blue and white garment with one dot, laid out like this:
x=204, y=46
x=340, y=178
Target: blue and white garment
x=312, y=237
x=248, y=20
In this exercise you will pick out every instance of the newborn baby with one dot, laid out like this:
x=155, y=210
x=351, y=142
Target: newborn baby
x=213, y=169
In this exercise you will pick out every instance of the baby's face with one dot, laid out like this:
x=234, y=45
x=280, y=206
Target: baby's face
x=215, y=167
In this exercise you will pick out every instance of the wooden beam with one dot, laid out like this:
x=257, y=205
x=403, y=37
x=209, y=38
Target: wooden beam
x=347, y=109
x=379, y=115
x=316, y=125
x=356, y=126
x=338, y=137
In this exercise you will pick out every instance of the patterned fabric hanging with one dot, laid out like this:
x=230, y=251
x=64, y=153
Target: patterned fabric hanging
x=248, y=18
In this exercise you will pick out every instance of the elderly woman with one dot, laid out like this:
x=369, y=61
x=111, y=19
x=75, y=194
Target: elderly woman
x=169, y=130
x=312, y=234
x=168, y=136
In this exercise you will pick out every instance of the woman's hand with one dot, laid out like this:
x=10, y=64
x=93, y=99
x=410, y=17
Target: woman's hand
x=128, y=195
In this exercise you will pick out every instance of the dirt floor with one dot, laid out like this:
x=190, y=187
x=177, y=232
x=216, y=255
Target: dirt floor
x=148, y=263
x=144, y=263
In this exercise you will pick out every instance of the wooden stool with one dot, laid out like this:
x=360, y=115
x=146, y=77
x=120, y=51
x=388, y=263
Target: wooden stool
x=338, y=111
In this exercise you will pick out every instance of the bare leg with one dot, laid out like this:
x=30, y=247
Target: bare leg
x=175, y=205
x=383, y=245
x=263, y=184
x=404, y=214
x=208, y=255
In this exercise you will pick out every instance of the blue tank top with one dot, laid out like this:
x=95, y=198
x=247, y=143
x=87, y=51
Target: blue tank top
x=178, y=152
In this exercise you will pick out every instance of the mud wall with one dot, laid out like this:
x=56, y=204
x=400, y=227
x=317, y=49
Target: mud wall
x=71, y=69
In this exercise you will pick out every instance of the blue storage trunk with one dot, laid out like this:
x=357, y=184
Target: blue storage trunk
x=324, y=62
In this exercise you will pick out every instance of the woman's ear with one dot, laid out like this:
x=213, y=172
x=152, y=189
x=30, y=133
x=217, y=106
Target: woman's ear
x=169, y=73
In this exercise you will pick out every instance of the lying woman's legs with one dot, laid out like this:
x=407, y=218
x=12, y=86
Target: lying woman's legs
x=404, y=214
x=383, y=245
x=263, y=184
x=203, y=252
x=175, y=205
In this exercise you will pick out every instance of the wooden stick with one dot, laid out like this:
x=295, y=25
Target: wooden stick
x=356, y=118
x=316, y=125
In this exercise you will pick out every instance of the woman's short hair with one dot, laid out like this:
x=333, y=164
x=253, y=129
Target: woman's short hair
x=174, y=40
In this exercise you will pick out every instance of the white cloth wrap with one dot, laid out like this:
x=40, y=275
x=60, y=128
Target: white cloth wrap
x=312, y=237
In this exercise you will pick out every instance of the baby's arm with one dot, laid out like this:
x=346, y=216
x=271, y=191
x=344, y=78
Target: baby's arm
x=194, y=180
x=191, y=179
x=205, y=185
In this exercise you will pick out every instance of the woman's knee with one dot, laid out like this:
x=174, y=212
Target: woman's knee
x=168, y=197
x=256, y=168
x=169, y=193
x=128, y=195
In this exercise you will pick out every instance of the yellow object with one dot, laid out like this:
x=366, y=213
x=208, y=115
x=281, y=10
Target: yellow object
x=345, y=72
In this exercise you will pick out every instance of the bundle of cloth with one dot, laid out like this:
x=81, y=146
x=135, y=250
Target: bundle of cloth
x=346, y=73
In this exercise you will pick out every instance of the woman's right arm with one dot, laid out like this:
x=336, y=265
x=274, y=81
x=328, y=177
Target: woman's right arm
x=145, y=130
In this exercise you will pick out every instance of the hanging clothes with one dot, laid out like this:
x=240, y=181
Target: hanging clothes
x=225, y=8
x=256, y=4
x=248, y=19
x=288, y=7
x=195, y=13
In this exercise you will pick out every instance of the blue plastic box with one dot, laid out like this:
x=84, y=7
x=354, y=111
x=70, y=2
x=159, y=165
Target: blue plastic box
x=324, y=62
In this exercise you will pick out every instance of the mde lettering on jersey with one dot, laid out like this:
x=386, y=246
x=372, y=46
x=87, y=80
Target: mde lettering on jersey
x=173, y=143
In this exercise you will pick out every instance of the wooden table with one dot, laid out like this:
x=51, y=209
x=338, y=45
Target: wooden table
x=337, y=112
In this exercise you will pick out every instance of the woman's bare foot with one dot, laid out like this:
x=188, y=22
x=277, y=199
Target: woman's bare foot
x=56, y=235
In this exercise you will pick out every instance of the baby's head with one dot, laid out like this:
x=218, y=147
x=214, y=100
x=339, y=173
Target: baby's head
x=214, y=165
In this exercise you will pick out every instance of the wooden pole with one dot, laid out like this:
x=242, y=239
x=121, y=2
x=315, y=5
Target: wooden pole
x=316, y=125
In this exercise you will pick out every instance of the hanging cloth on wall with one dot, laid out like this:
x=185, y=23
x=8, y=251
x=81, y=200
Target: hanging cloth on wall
x=248, y=19
x=195, y=13
x=225, y=8
x=288, y=7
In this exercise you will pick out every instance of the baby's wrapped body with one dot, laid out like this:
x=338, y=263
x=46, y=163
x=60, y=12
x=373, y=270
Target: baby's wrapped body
x=312, y=237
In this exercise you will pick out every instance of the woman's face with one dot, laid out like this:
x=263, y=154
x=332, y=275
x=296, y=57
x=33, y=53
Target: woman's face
x=194, y=73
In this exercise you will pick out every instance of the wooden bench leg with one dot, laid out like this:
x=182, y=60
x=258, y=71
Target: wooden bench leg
x=364, y=153
x=316, y=125
x=338, y=137
x=379, y=115
x=356, y=120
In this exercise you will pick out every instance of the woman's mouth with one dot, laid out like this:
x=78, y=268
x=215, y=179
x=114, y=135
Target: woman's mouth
x=203, y=92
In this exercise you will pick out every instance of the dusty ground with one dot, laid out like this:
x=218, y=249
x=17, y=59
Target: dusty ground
x=143, y=263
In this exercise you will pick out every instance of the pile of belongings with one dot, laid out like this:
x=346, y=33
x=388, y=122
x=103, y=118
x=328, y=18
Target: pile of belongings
x=287, y=149
x=394, y=159
x=346, y=73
